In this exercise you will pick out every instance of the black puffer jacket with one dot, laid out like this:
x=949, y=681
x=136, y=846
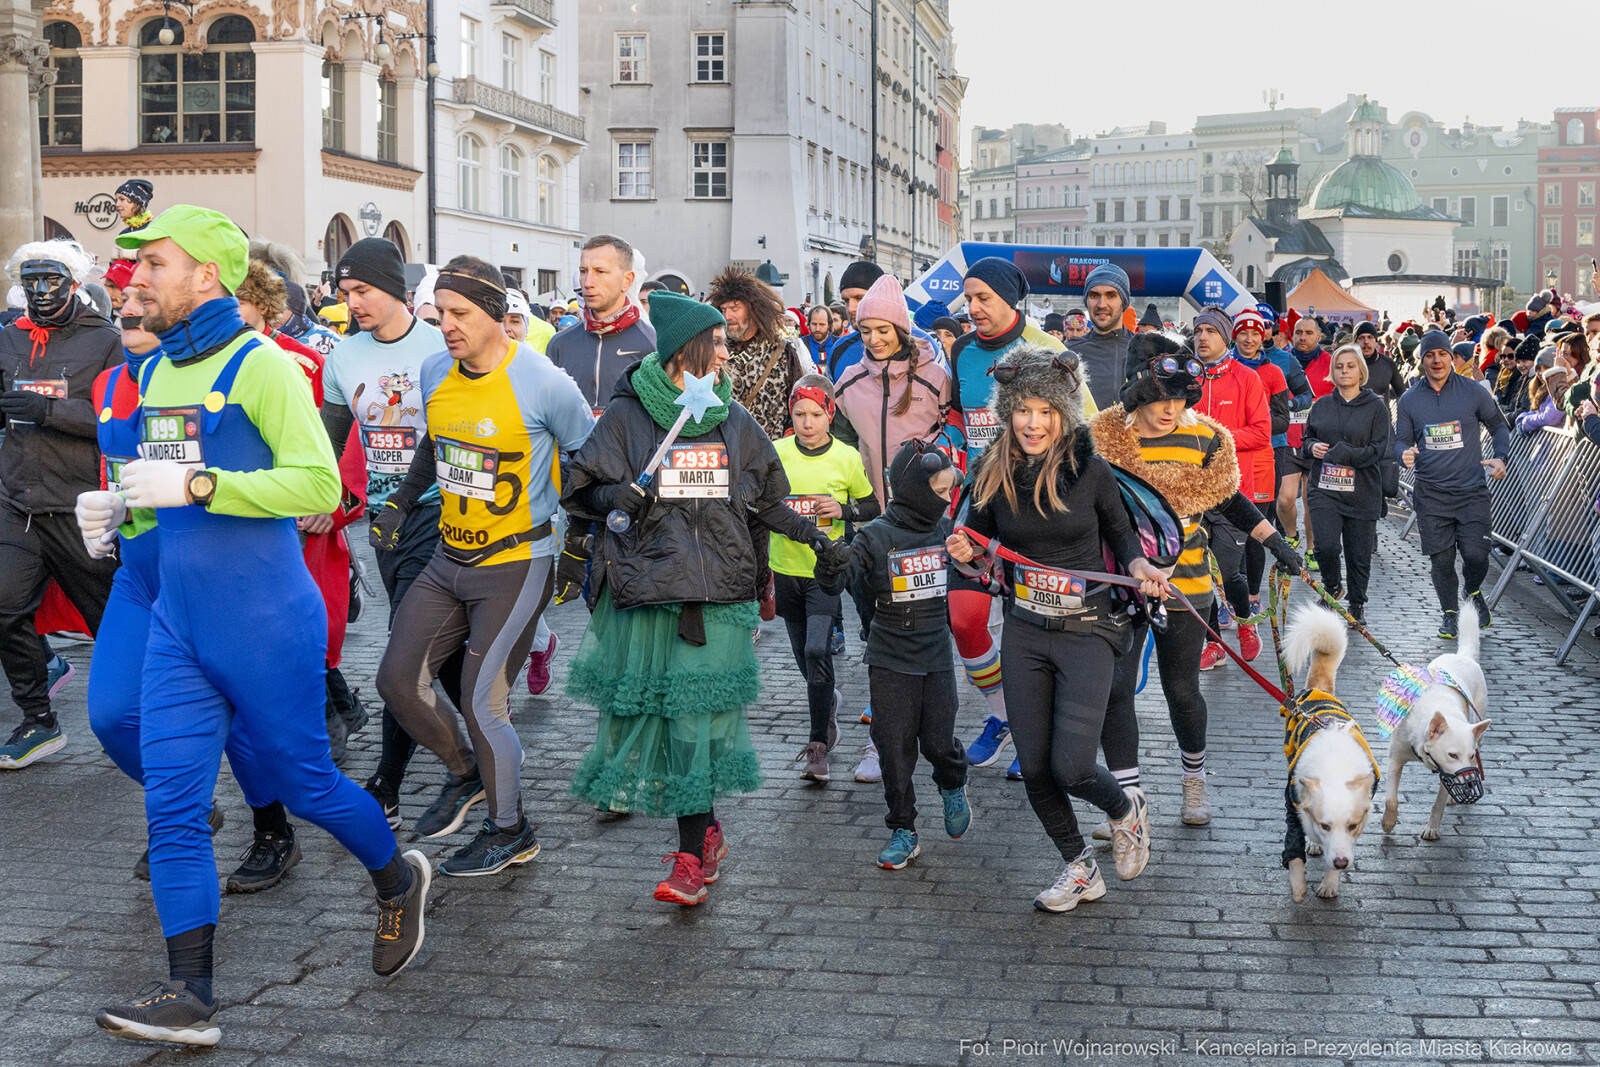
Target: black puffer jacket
x=681, y=551
x=44, y=467
x=1360, y=438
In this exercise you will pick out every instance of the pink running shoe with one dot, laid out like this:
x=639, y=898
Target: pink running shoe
x=686, y=885
x=539, y=666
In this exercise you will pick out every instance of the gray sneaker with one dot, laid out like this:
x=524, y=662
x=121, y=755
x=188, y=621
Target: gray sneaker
x=815, y=757
x=445, y=815
x=1130, y=836
x=1080, y=881
x=400, y=926
x=164, y=1011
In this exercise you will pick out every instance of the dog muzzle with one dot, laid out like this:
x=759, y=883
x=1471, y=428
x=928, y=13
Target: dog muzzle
x=1464, y=786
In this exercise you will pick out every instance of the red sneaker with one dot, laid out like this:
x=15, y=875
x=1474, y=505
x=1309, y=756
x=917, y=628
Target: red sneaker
x=1211, y=655
x=539, y=666
x=1249, y=643
x=715, y=851
x=686, y=885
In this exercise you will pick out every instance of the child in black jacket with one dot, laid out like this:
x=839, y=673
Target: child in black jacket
x=898, y=561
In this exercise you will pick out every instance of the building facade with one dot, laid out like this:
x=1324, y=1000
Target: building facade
x=1052, y=197
x=1234, y=150
x=227, y=105
x=1142, y=184
x=508, y=137
x=992, y=194
x=1569, y=167
x=730, y=133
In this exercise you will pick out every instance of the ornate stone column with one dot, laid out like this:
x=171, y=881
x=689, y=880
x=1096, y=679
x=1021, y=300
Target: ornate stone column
x=22, y=71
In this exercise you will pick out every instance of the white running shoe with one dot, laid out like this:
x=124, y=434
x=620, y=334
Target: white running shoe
x=869, y=770
x=1080, y=881
x=1102, y=832
x=1130, y=836
x=1196, y=804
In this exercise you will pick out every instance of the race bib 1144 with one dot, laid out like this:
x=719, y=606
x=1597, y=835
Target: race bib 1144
x=694, y=472
x=466, y=470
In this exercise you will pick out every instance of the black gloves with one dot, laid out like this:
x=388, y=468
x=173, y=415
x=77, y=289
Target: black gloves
x=1287, y=557
x=833, y=560
x=20, y=405
x=572, y=566
x=631, y=498
x=384, y=533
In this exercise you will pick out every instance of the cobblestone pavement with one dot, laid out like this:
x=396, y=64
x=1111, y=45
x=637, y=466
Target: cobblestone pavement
x=1479, y=947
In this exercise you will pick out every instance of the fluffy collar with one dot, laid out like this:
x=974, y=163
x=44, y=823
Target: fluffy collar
x=1188, y=490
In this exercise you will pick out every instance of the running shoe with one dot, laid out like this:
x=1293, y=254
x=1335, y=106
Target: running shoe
x=1130, y=836
x=993, y=739
x=869, y=769
x=269, y=857
x=1255, y=605
x=492, y=850
x=866, y=714
x=1249, y=643
x=1448, y=629
x=1358, y=615
x=30, y=743
x=354, y=714
x=815, y=757
x=446, y=814
x=164, y=1011
x=1196, y=804
x=957, y=812
x=338, y=734
x=833, y=720
x=901, y=850
x=1014, y=772
x=1483, y=609
x=1311, y=562
x=714, y=851
x=1224, y=615
x=836, y=642
x=1211, y=656
x=1079, y=881
x=539, y=664
x=400, y=921
x=59, y=673
x=687, y=882
x=388, y=798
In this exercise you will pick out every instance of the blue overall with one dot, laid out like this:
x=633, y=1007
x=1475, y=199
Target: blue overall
x=118, y=659
x=238, y=638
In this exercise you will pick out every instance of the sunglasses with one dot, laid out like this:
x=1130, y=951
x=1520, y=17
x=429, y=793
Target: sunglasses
x=1006, y=373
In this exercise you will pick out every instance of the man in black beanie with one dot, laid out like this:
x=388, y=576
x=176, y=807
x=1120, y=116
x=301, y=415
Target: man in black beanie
x=375, y=261
x=1055, y=326
x=853, y=285
x=1383, y=377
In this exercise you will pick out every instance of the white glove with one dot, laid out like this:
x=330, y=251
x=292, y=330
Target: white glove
x=101, y=545
x=99, y=513
x=155, y=483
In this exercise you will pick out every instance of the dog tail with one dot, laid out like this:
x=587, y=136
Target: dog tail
x=1467, y=644
x=1318, y=636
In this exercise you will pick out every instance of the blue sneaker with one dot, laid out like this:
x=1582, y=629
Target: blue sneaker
x=985, y=750
x=492, y=850
x=866, y=714
x=61, y=673
x=1014, y=772
x=1224, y=614
x=901, y=851
x=30, y=743
x=836, y=642
x=957, y=812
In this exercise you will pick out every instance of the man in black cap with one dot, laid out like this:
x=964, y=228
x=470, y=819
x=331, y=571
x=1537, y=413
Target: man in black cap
x=853, y=285
x=1055, y=326
x=133, y=204
x=1383, y=377
x=1150, y=321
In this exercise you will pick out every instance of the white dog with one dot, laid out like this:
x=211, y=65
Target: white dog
x=1332, y=773
x=1442, y=728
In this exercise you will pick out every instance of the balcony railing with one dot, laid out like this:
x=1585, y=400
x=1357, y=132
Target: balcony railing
x=541, y=10
x=520, y=108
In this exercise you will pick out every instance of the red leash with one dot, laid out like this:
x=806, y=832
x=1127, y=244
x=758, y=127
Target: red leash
x=996, y=549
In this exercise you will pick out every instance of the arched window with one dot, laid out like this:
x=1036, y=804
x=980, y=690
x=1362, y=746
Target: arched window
x=511, y=182
x=469, y=172
x=1574, y=131
x=61, y=104
x=396, y=235
x=337, y=239
x=545, y=172
x=196, y=98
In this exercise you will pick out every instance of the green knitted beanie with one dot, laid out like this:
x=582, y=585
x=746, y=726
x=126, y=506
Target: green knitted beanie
x=677, y=319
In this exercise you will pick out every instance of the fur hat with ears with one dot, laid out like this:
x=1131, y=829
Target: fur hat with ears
x=1144, y=386
x=1040, y=373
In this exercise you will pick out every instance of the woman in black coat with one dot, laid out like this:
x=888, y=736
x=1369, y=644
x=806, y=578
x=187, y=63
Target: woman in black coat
x=1348, y=438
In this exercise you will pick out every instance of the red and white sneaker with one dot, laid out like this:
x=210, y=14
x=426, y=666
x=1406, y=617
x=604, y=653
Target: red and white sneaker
x=715, y=851
x=1249, y=643
x=539, y=666
x=686, y=884
x=1211, y=656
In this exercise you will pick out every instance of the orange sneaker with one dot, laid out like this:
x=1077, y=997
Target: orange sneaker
x=686, y=884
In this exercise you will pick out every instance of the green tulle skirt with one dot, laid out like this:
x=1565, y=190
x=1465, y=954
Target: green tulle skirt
x=672, y=735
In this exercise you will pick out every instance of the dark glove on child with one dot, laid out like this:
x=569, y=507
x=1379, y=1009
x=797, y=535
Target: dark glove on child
x=20, y=405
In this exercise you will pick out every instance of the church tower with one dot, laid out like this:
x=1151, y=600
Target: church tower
x=1283, y=189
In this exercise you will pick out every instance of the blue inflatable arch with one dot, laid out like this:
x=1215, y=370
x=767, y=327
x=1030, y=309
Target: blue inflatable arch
x=1059, y=270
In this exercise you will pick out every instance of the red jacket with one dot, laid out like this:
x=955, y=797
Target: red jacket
x=1275, y=384
x=1236, y=398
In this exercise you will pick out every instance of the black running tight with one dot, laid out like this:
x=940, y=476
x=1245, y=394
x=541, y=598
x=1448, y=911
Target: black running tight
x=1177, y=657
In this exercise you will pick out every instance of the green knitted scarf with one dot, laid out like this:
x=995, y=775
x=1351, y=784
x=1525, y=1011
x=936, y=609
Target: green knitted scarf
x=659, y=395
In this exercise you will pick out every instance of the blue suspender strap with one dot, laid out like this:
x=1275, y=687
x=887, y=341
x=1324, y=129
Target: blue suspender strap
x=224, y=382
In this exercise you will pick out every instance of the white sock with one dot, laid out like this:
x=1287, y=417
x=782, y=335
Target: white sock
x=1194, y=764
x=1128, y=779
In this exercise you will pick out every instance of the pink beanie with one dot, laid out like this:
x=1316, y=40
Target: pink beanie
x=886, y=301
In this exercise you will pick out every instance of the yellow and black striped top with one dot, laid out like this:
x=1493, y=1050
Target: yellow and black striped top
x=1319, y=711
x=1193, y=445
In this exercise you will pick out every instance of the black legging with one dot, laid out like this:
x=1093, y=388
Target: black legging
x=1178, y=660
x=1474, y=569
x=808, y=613
x=1255, y=564
x=1358, y=537
x=1056, y=689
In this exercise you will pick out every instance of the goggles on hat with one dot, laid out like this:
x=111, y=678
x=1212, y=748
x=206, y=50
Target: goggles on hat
x=1170, y=367
x=1006, y=373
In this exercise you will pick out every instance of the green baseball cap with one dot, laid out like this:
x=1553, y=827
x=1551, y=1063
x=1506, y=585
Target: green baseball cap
x=207, y=236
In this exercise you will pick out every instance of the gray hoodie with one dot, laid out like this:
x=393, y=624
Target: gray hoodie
x=1104, y=356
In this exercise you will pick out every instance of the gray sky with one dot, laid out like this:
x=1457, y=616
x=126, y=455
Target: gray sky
x=1092, y=66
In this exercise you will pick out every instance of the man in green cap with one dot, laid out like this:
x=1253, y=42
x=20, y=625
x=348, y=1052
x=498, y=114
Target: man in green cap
x=231, y=451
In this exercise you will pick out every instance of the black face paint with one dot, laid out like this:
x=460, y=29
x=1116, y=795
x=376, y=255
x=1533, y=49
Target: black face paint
x=48, y=286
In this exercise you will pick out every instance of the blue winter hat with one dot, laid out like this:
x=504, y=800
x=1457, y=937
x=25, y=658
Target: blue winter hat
x=1112, y=275
x=1003, y=277
x=1434, y=339
x=928, y=313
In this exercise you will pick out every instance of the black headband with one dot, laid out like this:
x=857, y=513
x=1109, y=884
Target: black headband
x=487, y=295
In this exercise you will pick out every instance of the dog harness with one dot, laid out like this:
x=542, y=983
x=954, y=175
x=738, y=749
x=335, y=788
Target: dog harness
x=1319, y=711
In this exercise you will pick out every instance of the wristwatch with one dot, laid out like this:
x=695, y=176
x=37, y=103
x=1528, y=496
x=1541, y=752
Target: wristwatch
x=201, y=486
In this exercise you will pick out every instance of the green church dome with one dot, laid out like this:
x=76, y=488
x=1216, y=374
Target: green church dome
x=1366, y=182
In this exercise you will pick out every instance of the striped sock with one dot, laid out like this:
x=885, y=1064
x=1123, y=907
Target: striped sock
x=1194, y=764
x=984, y=673
x=1128, y=779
